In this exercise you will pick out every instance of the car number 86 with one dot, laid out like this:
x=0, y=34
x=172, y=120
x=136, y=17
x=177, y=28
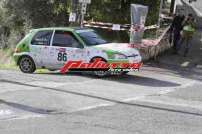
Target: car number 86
x=62, y=56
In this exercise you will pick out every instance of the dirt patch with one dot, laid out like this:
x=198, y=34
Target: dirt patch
x=6, y=58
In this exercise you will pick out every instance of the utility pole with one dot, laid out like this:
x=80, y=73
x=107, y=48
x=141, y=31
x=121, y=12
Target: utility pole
x=172, y=6
x=74, y=15
x=84, y=4
x=160, y=11
x=78, y=11
x=83, y=12
x=74, y=5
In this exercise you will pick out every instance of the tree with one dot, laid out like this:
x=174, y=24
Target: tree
x=19, y=16
x=113, y=10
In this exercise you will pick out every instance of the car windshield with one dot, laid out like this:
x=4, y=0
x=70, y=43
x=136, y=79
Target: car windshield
x=90, y=37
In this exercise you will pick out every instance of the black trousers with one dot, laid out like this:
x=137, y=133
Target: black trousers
x=176, y=39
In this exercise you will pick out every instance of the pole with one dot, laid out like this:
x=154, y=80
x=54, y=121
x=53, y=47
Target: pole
x=160, y=11
x=83, y=12
x=172, y=6
x=82, y=19
x=74, y=9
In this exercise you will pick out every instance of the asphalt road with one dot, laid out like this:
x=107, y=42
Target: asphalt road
x=156, y=100
x=197, y=5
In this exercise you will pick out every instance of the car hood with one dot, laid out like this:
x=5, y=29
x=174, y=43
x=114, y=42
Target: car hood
x=122, y=48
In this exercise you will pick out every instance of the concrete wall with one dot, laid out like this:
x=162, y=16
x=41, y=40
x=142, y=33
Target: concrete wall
x=155, y=50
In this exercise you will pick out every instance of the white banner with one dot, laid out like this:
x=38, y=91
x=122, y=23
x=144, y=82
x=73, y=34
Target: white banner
x=138, y=19
x=72, y=17
x=116, y=27
x=85, y=1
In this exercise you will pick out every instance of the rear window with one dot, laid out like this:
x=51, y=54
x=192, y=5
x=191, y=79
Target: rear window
x=42, y=38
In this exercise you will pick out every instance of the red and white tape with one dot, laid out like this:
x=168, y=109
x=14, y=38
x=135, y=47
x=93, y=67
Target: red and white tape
x=110, y=26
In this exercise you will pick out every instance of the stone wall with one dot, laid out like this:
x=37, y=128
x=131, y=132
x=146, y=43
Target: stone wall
x=160, y=45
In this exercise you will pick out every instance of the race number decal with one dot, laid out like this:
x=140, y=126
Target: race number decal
x=62, y=56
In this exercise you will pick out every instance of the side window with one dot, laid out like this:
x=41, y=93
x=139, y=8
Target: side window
x=65, y=39
x=42, y=38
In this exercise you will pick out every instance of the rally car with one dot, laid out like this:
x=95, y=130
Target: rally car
x=51, y=48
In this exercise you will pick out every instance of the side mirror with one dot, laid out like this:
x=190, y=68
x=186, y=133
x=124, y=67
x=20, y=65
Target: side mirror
x=78, y=45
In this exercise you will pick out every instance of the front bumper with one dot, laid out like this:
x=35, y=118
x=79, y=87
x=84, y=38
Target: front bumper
x=130, y=60
x=16, y=58
x=128, y=65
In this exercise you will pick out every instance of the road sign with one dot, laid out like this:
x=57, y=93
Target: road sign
x=85, y=1
x=72, y=17
x=83, y=8
x=116, y=27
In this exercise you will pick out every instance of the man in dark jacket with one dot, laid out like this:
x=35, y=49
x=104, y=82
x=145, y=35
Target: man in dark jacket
x=175, y=29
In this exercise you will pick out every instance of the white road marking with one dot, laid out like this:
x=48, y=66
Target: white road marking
x=173, y=102
x=5, y=112
x=133, y=99
x=26, y=117
x=94, y=107
x=57, y=84
x=189, y=84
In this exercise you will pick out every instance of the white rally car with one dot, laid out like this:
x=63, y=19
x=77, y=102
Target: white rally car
x=51, y=48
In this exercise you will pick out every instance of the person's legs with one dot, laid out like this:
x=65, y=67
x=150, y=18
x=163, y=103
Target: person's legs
x=171, y=37
x=187, y=46
x=176, y=40
x=181, y=41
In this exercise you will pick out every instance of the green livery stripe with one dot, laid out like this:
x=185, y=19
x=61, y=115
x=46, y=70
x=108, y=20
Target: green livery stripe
x=117, y=61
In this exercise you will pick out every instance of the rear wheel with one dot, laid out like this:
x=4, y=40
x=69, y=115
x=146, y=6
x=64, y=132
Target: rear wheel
x=27, y=65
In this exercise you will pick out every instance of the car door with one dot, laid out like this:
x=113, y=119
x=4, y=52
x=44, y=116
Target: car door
x=40, y=47
x=65, y=47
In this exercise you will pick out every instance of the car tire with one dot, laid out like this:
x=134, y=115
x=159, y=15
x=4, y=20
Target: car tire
x=125, y=73
x=27, y=65
x=101, y=73
x=52, y=70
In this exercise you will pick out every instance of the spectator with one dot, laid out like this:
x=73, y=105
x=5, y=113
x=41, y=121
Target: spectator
x=187, y=33
x=175, y=30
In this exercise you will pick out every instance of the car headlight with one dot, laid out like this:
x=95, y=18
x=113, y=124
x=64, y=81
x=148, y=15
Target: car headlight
x=119, y=56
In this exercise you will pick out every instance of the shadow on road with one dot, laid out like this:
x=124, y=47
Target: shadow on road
x=127, y=79
x=27, y=108
x=143, y=81
x=190, y=73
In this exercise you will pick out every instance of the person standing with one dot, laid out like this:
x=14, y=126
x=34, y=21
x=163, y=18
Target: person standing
x=175, y=30
x=187, y=33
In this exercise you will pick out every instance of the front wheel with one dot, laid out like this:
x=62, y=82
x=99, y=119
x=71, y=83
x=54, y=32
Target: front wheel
x=125, y=72
x=27, y=65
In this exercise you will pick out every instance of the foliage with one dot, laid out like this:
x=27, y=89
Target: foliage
x=19, y=16
x=118, y=11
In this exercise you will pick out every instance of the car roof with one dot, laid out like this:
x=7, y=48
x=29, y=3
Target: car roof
x=61, y=28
